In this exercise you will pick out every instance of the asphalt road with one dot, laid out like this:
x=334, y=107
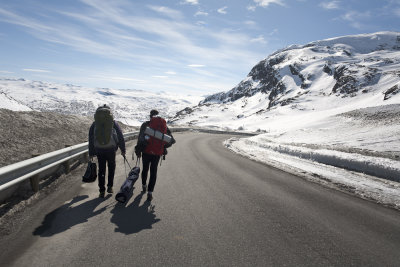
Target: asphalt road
x=211, y=207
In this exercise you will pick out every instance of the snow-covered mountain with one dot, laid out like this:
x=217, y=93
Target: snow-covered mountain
x=329, y=76
x=328, y=111
x=129, y=106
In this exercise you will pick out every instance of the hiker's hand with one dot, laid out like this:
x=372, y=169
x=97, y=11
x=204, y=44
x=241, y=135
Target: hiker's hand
x=138, y=154
x=123, y=154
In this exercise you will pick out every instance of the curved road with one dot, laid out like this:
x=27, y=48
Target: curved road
x=211, y=208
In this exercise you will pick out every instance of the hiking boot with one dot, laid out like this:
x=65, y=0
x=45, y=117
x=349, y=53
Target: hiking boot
x=110, y=190
x=149, y=197
x=144, y=188
x=102, y=194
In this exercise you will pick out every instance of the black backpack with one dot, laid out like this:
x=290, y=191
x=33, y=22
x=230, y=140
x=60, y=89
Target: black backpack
x=91, y=173
x=142, y=142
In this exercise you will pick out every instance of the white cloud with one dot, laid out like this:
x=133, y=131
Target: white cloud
x=13, y=18
x=260, y=39
x=118, y=78
x=201, y=13
x=108, y=30
x=355, y=15
x=124, y=43
x=222, y=10
x=252, y=8
x=170, y=72
x=266, y=3
x=355, y=18
x=160, y=76
x=201, y=23
x=330, y=5
x=6, y=72
x=357, y=25
x=167, y=11
x=191, y=2
x=251, y=23
x=36, y=70
x=274, y=31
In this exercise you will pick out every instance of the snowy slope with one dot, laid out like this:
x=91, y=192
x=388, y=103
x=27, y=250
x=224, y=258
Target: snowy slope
x=307, y=87
x=129, y=106
x=7, y=102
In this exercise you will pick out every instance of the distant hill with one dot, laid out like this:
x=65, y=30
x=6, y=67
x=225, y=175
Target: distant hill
x=129, y=106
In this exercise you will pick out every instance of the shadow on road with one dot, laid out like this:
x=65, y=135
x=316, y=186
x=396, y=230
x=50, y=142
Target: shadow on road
x=133, y=218
x=66, y=216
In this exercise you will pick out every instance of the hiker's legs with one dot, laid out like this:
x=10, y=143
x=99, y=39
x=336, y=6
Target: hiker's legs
x=153, y=171
x=146, y=164
x=101, y=158
x=111, y=168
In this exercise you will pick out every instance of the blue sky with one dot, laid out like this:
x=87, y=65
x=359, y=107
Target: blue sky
x=186, y=46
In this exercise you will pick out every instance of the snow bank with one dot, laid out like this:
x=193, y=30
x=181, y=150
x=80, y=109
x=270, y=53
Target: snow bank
x=306, y=163
x=380, y=167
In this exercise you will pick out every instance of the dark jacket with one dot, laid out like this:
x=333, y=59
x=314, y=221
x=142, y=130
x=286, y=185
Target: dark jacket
x=94, y=151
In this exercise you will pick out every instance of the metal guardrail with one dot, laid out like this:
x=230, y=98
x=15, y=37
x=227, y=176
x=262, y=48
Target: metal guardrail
x=18, y=172
x=31, y=168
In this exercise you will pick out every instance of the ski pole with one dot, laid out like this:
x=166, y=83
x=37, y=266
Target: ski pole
x=125, y=170
x=127, y=162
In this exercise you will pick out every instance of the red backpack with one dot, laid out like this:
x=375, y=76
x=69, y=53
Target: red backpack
x=155, y=146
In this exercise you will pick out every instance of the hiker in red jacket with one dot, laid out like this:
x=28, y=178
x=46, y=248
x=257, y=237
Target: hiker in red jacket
x=151, y=149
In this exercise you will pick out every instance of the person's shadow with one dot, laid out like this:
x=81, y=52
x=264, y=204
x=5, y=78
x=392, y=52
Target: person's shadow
x=133, y=218
x=66, y=216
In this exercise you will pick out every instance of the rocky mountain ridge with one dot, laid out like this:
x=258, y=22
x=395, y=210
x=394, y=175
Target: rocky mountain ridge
x=349, y=65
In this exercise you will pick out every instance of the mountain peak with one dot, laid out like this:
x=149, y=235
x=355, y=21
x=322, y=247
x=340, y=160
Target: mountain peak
x=328, y=76
x=343, y=66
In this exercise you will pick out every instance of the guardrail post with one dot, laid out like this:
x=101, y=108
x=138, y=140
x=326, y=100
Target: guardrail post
x=34, y=179
x=35, y=183
x=67, y=166
x=85, y=157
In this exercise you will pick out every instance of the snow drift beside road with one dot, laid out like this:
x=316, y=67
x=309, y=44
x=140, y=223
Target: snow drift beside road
x=357, y=152
x=369, y=187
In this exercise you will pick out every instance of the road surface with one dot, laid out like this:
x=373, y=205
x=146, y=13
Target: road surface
x=211, y=207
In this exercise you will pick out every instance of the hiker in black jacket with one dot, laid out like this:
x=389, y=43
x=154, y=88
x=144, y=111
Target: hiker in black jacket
x=105, y=127
x=151, y=150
